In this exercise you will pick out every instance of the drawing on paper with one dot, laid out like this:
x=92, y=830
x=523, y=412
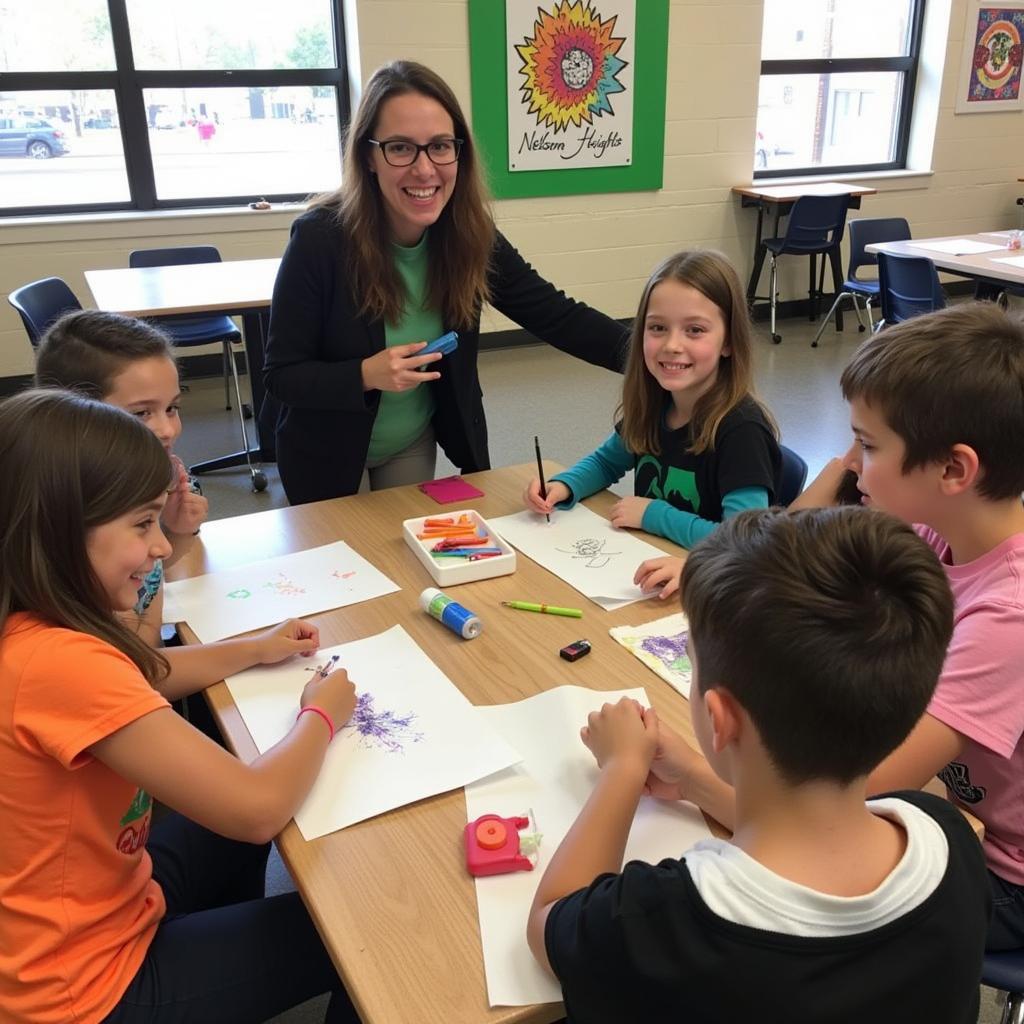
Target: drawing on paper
x=669, y=650
x=663, y=646
x=339, y=575
x=283, y=586
x=381, y=728
x=591, y=551
x=240, y=594
x=570, y=65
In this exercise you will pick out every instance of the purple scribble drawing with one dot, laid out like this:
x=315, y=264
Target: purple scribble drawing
x=384, y=728
x=284, y=586
x=592, y=550
x=669, y=650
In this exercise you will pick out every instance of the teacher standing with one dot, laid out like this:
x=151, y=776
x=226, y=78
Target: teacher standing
x=402, y=252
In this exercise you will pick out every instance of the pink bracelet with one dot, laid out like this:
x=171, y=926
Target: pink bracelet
x=320, y=711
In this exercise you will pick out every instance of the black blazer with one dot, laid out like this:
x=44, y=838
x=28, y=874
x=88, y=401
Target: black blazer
x=317, y=342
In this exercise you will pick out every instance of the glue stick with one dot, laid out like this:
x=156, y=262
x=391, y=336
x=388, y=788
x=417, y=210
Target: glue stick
x=458, y=619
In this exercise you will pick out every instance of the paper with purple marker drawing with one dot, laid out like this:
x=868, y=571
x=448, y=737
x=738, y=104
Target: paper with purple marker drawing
x=413, y=734
x=662, y=645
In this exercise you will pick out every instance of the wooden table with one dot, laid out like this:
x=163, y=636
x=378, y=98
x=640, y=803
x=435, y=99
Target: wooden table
x=983, y=267
x=391, y=896
x=780, y=198
x=236, y=288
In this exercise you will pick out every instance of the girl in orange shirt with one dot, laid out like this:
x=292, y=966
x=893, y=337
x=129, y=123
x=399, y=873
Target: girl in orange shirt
x=102, y=919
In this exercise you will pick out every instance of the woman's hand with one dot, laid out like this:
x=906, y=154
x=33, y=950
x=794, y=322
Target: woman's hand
x=628, y=513
x=395, y=368
x=557, y=492
x=334, y=692
x=659, y=572
x=621, y=732
x=292, y=637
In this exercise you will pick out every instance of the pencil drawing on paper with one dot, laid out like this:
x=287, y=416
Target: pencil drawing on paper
x=591, y=551
x=283, y=586
x=337, y=574
x=382, y=728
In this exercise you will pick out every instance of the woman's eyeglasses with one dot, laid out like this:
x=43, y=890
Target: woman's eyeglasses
x=400, y=153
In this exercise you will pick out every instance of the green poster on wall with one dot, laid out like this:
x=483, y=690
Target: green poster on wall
x=569, y=95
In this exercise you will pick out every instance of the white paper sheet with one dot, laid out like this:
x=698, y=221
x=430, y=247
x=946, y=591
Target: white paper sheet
x=554, y=779
x=413, y=735
x=223, y=604
x=662, y=646
x=958, y=246
x=1012, y=261
x=584, y=549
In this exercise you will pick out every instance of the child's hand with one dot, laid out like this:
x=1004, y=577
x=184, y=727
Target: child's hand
x=334, y=693
x=628, y=513
x=620, y=732
x=292, y=637
x=659, y=572
x=673, y=764
x=184, y=512
x=557, y=492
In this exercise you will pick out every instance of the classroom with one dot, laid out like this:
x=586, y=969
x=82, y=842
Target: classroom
x=474, y=557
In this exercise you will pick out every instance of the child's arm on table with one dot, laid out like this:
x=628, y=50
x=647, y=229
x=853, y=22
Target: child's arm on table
x=622, y=739
x=182, y=768
x=822, y=491
x=593, y=473
x=683, y=528
x=197, y=666
x=921, y=756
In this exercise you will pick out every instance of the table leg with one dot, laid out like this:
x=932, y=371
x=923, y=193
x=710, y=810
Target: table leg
x=837, y=282
x=755, y=274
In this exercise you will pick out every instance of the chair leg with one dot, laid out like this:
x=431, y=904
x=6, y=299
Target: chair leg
x=1013, y=1009
x=772, y=282
x=812, y=298
x=828, y=315
x=225, y=351
x=241, y=415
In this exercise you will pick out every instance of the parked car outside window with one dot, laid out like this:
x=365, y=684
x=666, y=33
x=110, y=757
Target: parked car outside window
x=20, y=136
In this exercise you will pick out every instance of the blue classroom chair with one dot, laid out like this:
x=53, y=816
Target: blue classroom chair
x=909, y=287
x=1005, y=972
x=793, y=477
x=40, y=303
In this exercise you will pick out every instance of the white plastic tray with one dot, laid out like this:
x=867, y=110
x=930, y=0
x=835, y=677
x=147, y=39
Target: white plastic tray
x=448, y=572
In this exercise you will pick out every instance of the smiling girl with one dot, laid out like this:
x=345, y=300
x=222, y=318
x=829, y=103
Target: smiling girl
x=403, y=252
x=702, y=448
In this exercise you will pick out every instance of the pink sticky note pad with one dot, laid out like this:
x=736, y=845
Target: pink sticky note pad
x=450, y=489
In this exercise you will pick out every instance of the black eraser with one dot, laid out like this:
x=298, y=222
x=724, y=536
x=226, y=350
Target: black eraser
x=575, y=651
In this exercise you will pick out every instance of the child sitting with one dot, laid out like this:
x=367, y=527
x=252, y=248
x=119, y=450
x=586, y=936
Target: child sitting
x=702, y=448
x=816, y=640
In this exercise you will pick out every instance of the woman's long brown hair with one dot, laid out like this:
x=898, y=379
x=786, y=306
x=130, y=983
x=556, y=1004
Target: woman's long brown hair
x=643, y=398
x=459, y=243
x=71, y=464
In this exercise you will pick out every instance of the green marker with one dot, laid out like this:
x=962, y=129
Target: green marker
x=548, y=609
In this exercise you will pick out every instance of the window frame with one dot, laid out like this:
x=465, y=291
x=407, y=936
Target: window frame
x=128, y=85
x=908, y=66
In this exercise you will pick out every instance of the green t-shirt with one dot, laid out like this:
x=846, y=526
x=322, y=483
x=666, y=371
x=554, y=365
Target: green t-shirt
x=404, y=415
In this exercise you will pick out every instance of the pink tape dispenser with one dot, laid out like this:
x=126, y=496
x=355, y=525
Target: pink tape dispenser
x=495, y=847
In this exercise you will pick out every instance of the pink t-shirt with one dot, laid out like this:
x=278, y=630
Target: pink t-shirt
x=981, y=695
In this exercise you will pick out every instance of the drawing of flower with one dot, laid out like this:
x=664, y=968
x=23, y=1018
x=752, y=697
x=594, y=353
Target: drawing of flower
x=570, y=65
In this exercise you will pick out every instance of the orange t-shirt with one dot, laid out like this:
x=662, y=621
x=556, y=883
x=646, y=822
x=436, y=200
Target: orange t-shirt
x=78, y=903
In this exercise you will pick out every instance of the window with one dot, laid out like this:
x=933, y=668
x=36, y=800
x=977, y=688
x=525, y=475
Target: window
x=129, y=104
x=837, y=85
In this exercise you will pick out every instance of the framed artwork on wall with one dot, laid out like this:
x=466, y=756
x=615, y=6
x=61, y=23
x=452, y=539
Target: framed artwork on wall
x=569, y=95
x=990, y=68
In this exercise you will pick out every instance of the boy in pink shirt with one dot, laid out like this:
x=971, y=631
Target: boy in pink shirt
x=937, y=411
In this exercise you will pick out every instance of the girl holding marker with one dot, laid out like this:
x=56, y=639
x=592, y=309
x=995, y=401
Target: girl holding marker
x=702, y=448
x=402, y=252
x=105, y=919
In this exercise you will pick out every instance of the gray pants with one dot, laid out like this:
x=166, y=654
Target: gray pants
x=412, y=465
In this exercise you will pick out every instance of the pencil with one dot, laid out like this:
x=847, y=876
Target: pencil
x=540, y=473
x=548, y=609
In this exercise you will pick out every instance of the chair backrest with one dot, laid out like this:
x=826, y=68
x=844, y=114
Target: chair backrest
x=908, y=287
x=816, y=223
x=174, y=257
x=40, y=303
x=868, y=231
x=794, y=476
